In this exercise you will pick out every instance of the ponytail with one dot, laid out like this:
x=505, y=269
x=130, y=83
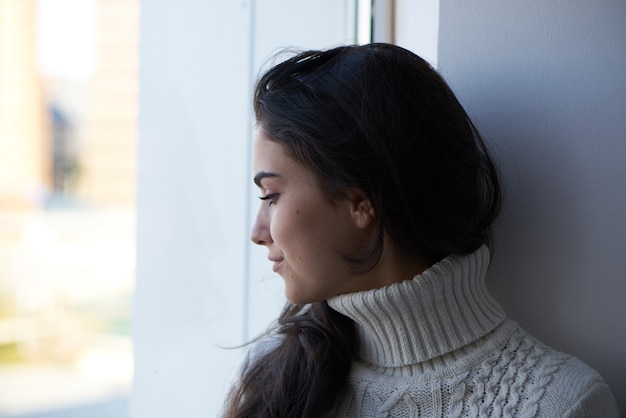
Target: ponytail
x=304, y=374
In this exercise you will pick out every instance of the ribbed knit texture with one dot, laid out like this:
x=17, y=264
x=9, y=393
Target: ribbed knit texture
x=439, y=345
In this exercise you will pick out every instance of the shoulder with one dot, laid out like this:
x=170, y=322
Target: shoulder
x=260, y=348
x=256, y=350
x=580, y=391
x=561, y=385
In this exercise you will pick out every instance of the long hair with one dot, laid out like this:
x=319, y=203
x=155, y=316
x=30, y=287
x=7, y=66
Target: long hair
x=379, y=118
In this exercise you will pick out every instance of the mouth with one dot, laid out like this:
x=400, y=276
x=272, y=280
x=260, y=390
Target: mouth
x=277, y=262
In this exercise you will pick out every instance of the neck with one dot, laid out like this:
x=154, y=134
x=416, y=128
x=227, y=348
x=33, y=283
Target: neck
x=395, y=266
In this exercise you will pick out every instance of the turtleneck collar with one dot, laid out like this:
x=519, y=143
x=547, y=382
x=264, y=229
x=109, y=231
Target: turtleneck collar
x=442, y=309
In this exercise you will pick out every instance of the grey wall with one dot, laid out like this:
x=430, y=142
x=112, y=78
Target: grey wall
x=546, y=83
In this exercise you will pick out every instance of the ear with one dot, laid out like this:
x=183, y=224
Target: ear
x=361, y=208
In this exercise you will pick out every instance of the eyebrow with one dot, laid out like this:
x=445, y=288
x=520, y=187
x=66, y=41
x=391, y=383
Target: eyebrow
x=263, y=174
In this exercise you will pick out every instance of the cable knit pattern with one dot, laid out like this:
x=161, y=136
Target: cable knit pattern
x=439, y=345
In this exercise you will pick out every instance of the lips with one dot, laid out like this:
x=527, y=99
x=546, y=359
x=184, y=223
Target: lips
x=277, y=262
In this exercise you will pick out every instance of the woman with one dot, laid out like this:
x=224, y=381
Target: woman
x=378, y=197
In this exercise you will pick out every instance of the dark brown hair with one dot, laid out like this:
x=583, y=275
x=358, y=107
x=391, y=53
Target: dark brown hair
x=379, y=118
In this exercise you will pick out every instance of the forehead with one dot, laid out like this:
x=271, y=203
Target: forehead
x=270, y=157
x=266, y=151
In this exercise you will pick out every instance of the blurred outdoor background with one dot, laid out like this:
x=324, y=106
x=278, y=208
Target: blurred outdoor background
x=68, y=128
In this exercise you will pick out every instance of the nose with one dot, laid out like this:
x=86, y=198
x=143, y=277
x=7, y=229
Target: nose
x=260, y=233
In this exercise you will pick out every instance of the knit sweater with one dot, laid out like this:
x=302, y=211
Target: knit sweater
x=439, y=345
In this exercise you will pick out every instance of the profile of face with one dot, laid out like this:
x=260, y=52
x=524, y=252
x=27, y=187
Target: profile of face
x=306, y=233
x=381, y=117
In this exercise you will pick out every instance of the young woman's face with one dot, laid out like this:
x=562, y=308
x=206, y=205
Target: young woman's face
x=305, y=234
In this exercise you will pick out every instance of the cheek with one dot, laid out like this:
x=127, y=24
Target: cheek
x=280, y=228
x=292, y=229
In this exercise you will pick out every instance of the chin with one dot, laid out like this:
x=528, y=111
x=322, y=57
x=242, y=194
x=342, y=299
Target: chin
x=300, y=299
x=302, y=295
x=296, y=300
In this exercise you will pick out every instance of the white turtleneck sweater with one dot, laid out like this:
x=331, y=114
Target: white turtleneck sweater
x=439, y=345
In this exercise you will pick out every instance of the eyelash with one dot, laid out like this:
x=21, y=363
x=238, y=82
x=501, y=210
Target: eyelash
x=271, y=197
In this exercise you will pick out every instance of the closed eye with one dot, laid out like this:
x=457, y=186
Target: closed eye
x=271, y=197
